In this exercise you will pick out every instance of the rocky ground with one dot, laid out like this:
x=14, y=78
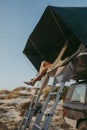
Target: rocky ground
x=14, y=103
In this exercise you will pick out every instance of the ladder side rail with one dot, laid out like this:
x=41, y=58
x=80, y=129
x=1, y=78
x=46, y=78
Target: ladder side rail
x=33, y=98
x=48, y=117
x=29, y=118
x=42, y=87
x=30, y=106
x=41, y=113
x=31, y=113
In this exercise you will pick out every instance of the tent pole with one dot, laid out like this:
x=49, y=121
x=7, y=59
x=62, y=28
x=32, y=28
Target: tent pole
x=37, y=49
x=59, y=26
x=57, y=23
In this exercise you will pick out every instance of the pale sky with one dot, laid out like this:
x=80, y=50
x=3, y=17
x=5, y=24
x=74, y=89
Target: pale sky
x=18, y=18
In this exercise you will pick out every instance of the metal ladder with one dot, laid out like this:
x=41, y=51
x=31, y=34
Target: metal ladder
x=29, y=113
x=38, y=125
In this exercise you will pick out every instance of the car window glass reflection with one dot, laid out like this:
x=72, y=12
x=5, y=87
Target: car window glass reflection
x=79, y=93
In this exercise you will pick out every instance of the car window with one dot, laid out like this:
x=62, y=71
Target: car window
x=69, y=93
x=79, y=93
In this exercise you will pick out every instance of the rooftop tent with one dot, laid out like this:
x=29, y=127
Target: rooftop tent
x=57, y=26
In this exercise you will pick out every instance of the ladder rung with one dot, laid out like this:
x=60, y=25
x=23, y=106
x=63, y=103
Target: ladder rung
x=42, y=102
x=32, y=108
x=53, y=93
x=23, y=122
x=26, y=118
x=35, y=95
x=43, y=112
x=47, y=113
x=37, y=126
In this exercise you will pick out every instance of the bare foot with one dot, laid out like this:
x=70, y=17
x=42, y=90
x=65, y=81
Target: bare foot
x=30, y=83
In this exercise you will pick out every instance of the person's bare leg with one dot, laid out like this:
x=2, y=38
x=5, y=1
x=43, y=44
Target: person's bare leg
x=43, y=68
x=37, y=78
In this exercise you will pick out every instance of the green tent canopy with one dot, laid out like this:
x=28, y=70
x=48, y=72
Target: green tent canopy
x=57, y=26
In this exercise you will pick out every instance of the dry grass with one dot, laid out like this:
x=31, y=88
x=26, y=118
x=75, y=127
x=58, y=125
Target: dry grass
x=21, y=88
x=4, y=92
x=45, y=92
x=13, y=94
x=22, y=107
x=47, y=89
x=3, y=126
x=1, y=103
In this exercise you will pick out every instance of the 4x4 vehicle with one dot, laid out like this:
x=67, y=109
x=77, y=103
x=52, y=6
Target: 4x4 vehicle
x=75, y=105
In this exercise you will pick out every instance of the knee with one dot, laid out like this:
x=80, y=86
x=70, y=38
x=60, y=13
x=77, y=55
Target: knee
x=43, y=63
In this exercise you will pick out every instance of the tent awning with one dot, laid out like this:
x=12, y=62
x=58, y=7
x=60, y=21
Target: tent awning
x=57, y=26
